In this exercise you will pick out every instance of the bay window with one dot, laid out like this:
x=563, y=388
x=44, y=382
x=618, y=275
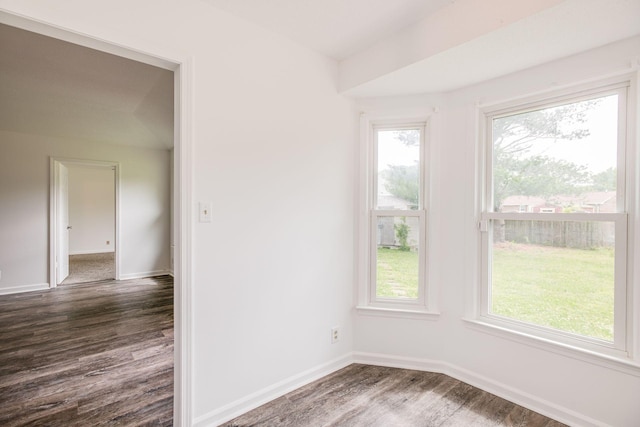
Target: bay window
x=557, y=188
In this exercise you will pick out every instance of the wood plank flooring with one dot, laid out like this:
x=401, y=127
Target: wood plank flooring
x=373, y=396
x=97, y=353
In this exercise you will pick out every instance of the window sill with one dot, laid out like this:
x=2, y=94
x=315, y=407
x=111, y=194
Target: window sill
x=401, y=313
x=623, y=365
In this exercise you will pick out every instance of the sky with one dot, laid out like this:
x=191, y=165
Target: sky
x=598, y=151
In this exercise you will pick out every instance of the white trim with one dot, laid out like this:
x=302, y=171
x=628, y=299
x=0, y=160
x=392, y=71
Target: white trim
x=93, y=252
x=519, y=397
x=144, y=274
x=398, y=312
x=267, y=394
x=368, y=212
x=554, y=96
x=183, y=232
x=182, y=65
x=24, y=288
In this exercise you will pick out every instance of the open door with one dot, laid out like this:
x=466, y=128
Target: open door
x=62, y=208
x=62, y=225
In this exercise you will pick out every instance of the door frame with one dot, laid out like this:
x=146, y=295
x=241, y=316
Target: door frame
x=54, y=188
x=182, y=65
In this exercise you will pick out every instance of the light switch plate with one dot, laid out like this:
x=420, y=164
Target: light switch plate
x=205, y=211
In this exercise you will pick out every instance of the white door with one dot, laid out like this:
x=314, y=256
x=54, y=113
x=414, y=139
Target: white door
x=62, y=226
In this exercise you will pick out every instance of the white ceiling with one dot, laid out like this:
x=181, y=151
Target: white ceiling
x=567, y=28
x=54, y=88
x=378, y=43
x=335, y=28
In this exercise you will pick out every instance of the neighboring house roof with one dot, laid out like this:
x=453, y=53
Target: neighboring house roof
x=594, y=198
x=599, y=197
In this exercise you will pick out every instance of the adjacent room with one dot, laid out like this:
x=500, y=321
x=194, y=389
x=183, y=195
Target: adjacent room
x=418, y=212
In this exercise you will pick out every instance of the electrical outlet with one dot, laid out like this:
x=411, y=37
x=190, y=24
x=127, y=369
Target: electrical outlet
x=335, y=335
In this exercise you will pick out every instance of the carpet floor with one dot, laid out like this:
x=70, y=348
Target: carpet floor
x=90, y=268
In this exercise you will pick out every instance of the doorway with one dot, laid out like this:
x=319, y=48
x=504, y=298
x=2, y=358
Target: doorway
x=182, y=66
x=84, y=219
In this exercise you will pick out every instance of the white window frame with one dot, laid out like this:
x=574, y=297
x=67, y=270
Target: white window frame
x=424, y=306
x=622, y=353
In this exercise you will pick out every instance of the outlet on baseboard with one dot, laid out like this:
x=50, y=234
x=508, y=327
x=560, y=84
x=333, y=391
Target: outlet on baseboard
x=335, y=335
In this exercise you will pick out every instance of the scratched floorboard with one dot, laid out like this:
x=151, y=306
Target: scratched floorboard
x=372, y=396
x=98, y=353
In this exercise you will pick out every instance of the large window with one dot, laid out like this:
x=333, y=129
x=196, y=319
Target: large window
x=556, y=188
x=395, y=265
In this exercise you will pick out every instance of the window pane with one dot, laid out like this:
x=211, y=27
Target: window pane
x=557, y=159
x=557, y=274
x=398, y=169
x=397, y=264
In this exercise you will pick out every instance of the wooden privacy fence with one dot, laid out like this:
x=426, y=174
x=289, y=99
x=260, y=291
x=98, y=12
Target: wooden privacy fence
x=570, y=234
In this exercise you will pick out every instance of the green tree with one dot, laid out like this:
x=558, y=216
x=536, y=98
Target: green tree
x=403, y=182
x=605, y=180
x=538, y=176
x=516, y=171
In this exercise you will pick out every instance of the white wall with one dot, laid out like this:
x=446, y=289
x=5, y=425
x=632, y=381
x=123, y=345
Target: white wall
x=92, y=208
x=273, y=150
x=576, y=391
x=24, y=206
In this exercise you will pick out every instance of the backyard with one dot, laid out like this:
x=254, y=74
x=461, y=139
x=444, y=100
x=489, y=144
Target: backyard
x=562, y=288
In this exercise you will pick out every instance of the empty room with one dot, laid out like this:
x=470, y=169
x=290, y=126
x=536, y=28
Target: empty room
x=325, y=213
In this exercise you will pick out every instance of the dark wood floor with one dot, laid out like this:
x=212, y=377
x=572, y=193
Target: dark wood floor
x=91, y=354
x=368, y=396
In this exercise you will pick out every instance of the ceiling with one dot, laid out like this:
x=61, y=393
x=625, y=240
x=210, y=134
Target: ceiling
x=399, y=47
x=335, y=28
x=54, y=88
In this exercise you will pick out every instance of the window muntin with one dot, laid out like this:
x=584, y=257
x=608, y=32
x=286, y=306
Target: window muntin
x=397, y=256
x=554, y=219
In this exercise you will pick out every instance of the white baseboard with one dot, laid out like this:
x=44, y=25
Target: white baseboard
x=504, y=391
x=24, y=288
x=252, y=401
x=142, y=275
x=96, y=251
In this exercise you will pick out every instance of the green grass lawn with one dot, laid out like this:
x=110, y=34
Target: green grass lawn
x=561, y=288
x=397, y=273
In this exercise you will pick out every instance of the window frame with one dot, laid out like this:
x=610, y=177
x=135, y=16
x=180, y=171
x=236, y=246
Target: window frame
x=625, y=334
x=368, y=301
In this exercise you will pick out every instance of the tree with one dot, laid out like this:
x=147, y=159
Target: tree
x=605, y=180
x=516, y=171
x=403, y=182
x=538, y=176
